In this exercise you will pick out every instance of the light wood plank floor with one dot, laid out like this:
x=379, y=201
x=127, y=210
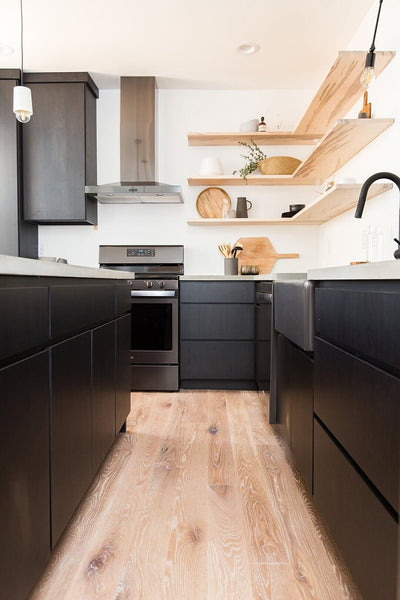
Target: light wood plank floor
x=196, y=501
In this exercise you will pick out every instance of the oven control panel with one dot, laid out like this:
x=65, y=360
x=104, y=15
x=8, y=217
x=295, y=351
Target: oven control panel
x=143, y=252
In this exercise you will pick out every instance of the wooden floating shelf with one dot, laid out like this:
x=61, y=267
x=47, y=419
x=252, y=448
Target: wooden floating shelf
x=344, y=141
x=339, y=91
x=337, y=200
x=281, y=138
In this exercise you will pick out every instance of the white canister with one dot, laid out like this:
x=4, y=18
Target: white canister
x=211, y=166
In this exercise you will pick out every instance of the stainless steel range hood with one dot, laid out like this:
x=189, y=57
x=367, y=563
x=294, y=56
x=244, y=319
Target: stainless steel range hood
x=137, y=145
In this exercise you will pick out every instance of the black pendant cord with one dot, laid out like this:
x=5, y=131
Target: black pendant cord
x=372, y=49
x=22, y=46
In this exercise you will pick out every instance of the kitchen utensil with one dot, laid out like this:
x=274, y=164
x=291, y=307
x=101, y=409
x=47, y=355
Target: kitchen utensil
x=225, y=249
x=242, y=207
x=231, y=266
x=278, y=165
x=211, y=166
x=259, y=251
x=236, y=250
x=212, y=202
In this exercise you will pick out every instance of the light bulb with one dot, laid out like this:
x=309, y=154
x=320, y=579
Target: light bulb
x=367, y=77
x=22, y=103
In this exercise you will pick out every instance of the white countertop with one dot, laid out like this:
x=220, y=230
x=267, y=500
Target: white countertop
x=14, y=265
x=266, y=277
x=380, y=270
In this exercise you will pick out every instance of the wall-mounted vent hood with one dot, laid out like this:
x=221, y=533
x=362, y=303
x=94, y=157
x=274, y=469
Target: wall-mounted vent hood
x=137, y=185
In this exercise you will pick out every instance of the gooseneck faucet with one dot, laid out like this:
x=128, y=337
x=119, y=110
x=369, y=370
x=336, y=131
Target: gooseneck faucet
x=363, y=196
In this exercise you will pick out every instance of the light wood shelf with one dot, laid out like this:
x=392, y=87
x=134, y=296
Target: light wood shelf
x=345, y=140
x=337, y=200
x=281, y=138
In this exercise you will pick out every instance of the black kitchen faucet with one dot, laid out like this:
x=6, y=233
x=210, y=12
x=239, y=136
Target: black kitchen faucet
x=363, y=195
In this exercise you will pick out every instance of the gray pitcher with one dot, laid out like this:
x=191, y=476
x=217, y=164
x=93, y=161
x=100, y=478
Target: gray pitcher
x=242, y=206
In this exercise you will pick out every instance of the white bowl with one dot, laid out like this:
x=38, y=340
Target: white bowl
x=211, y=166
x=251, y=125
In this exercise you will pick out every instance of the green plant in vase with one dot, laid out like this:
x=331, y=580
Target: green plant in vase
x=253, y=157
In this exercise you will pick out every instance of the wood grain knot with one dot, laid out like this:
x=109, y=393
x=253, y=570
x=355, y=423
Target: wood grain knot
x=195, y=535
x=166, y=404
x=98, y=563
x=164, y=449
x=220, y=488
x=213, y=429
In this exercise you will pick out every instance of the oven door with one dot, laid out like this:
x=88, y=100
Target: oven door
x=154, y=337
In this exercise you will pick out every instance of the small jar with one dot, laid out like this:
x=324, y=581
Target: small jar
x=262, y=126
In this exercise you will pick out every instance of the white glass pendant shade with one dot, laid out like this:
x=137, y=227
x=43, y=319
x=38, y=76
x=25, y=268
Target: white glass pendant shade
x=22, y=105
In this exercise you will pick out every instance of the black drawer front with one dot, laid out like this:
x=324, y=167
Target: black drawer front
x=263, y=321
x=363, y=529
x=217, y=360
x=360, y=322
x=217, y=321
x=360, y=405
x=78, y=307
x=24, y=320
x=217, y=291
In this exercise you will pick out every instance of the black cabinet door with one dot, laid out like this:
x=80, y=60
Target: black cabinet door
x=58, y=149
x=103, y=392
x=71, y=422
x=16, y=237
x=284, y=392
x=24, y=479
x=218, y=291
x=123, y=372
x=363, y=529
x=217, y=360
x=204, y=321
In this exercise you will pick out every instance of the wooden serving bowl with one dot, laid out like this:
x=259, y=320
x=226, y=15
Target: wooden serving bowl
x=278, y=165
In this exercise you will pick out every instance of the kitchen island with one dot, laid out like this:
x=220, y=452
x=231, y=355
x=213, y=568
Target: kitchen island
x=65, y=395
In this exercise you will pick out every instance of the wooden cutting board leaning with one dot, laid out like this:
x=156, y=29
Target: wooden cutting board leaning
x=259, y=251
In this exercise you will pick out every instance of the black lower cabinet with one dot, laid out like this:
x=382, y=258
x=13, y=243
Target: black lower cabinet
x=71, y=422
x=24, y=468
x=295, y=399
x=103, y=392
x=123, y=371
x=362, y=527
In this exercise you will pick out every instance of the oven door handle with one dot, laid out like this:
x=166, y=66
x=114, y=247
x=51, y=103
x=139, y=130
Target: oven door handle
x=153, y=293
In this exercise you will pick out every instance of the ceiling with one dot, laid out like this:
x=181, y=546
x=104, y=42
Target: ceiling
x=185, y=43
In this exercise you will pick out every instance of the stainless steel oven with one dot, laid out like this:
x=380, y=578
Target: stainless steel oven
x=155, y=312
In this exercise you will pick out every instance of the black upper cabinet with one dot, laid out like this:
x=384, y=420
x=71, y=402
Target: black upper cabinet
x=16, y=237
x=59, y=149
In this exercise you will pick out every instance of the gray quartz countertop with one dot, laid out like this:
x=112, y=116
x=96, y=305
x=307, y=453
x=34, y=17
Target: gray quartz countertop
x=14, y=265
x=379, y=270
x=266, y=277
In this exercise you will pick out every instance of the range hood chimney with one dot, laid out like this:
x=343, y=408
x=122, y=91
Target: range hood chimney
x=138, y=151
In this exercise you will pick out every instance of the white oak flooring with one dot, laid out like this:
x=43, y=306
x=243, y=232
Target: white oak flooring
x=196, y=501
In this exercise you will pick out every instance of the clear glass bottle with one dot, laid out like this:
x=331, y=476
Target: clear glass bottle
x=262, y=126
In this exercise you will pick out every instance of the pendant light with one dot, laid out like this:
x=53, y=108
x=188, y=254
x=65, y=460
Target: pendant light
x=368, y=75
x=22, y=105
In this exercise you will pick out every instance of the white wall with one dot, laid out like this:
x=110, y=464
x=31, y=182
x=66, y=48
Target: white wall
x=343, y=239
x=181, y=111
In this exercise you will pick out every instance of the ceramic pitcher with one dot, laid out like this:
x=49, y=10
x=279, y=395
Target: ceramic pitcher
x=242, y=206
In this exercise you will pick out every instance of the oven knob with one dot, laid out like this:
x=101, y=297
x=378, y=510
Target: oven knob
x=161, y=284
x=149, y=284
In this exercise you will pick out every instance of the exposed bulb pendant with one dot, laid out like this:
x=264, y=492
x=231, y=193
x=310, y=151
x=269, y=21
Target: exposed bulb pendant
x=22, y=96
x=368, y=74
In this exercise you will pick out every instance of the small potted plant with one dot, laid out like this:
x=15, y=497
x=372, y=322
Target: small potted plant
x=253, y=157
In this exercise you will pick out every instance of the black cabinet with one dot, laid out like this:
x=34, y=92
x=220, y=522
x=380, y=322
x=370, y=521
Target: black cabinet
x=365, y=532
x=24, y=468
x=123, y=371
x=217, y=334
x=295, y=404
x=103, y=392
x=71, y=425
x=59, y=149
x=263, y=334
x=17, y=238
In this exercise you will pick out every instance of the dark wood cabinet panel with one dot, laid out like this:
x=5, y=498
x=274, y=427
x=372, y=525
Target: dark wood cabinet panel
x=217, y=291
x=103, y=392
x=24, y=468
x=360, y=405
x=59, y=150
x=363, y=529
x=123, y=371
x=81, y=306
x=24, y=323
x=217, y=321
x=284, y=393
x=217, y=360
x=361, y=322
x=123, y=297
x=71, y=423
x=16, y=237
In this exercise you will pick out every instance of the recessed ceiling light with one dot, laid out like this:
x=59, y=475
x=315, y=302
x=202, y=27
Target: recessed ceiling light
x=6, y=50
x=248, y=48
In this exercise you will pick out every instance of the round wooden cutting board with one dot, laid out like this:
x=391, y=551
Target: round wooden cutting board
x=210, y=203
